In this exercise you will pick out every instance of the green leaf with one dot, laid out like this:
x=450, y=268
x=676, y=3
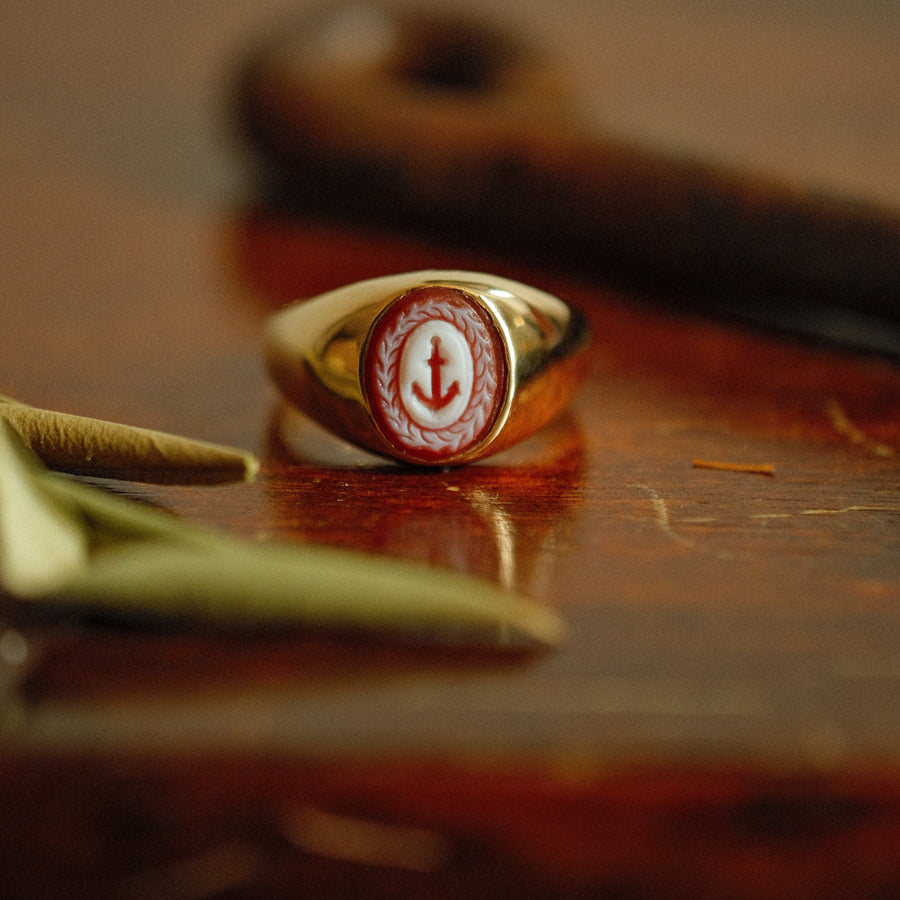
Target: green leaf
x=43, y=542
x=82, y=445
x=243, y=584
x=113, y=554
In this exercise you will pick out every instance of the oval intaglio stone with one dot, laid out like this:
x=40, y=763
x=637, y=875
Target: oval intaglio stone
x=434, y=374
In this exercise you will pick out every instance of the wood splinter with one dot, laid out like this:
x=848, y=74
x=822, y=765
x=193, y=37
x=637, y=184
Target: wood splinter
x=749, y=468
x=81, y=445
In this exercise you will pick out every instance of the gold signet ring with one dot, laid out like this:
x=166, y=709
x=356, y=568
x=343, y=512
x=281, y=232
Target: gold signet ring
x=431, y=368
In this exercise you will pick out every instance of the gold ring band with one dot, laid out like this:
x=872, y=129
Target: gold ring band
x=432, y=367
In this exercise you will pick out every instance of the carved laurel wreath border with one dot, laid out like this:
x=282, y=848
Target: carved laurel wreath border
x=484, y=382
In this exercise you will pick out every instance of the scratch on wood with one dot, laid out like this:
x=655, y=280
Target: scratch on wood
x=662, y=519
x=842, y=424
x=846, y=509
x=826, y=512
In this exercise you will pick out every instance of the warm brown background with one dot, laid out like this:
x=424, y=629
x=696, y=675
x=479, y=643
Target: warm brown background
x=724, y=719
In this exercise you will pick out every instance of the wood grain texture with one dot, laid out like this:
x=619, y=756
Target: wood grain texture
x=723, y=720
x=720, y=623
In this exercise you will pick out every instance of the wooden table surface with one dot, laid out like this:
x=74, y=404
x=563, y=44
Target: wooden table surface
x=723, y=719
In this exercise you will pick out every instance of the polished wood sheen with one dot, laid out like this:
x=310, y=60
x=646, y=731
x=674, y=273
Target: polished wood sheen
x=722, y=720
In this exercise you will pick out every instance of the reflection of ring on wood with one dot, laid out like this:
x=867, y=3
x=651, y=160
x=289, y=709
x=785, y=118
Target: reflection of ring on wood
x=433, y=367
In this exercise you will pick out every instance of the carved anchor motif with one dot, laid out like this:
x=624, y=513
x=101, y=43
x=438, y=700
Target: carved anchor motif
x=436, y=402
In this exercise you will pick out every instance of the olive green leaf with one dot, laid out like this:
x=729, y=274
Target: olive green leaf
x=85, y=446
x=105, y=552
x=43, y=543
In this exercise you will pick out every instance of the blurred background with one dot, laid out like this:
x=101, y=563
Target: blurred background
x=134, y=289
x=135, y=92
x=117, y=142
